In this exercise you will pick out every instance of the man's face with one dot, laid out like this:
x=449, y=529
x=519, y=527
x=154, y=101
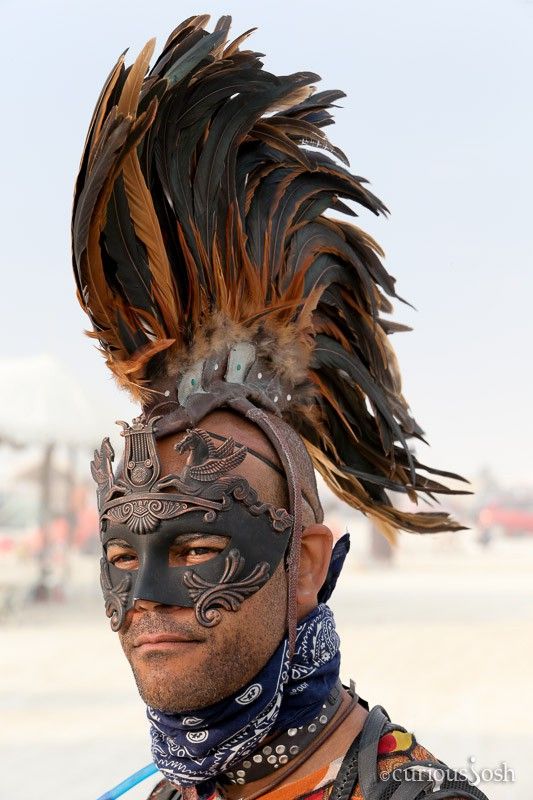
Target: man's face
x=180, y=665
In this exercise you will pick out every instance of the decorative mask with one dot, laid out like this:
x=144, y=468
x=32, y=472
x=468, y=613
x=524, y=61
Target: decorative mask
x=149, y=512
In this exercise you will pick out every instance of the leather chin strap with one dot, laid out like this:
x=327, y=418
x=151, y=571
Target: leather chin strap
x=276, y=436
x=306, y=497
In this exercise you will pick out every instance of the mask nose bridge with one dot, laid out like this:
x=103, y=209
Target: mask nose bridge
x=153, y=564
x=156, y=581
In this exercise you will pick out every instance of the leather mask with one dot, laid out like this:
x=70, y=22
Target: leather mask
x=149, y=513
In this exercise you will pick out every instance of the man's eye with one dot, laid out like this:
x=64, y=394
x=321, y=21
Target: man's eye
x=123, y=560
x=200, y=551
x=185, y=553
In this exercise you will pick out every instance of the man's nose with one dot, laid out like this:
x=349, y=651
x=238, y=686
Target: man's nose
x=145, y=605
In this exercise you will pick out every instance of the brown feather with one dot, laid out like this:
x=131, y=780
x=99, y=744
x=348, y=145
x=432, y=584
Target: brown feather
x=148, y=231
x=95, y=128
x=129, y=97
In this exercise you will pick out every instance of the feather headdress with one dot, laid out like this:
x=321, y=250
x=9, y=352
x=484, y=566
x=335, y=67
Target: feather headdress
x=203, y=250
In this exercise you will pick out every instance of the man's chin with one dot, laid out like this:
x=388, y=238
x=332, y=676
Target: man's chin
x=166, y=695
x=170, y=685
x=158, y=698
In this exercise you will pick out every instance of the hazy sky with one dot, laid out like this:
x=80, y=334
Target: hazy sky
x=438, y=116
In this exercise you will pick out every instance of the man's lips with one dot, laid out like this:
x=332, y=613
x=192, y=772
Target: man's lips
x=156, y=639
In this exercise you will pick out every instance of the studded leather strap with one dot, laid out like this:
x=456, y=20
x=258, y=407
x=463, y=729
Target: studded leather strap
x=276, y=433
x=434, y=780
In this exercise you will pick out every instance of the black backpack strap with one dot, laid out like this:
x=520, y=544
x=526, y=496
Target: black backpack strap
x=347, y=776
x=373, y=729
x=414, y=780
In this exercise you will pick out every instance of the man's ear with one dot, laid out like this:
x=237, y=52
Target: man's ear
x=315, y=555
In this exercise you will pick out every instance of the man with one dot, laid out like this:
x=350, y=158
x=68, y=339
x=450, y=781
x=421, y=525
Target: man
x=247, y=324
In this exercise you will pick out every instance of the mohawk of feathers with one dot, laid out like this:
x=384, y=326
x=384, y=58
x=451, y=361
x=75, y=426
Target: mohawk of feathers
x=199, y=221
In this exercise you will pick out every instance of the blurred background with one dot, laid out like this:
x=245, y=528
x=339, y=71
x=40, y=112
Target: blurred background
x=438, y=116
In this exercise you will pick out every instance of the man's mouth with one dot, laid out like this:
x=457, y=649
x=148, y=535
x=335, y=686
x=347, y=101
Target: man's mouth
x=162, y=642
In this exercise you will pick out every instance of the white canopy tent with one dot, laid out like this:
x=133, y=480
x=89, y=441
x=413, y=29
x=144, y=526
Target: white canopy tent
x=42, y=402
x=45, y=413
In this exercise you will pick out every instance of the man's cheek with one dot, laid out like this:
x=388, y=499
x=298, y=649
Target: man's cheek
x=125, y=638
x=124, y=628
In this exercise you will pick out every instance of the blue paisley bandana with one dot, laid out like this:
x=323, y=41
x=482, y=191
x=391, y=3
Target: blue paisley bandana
x=194, y=747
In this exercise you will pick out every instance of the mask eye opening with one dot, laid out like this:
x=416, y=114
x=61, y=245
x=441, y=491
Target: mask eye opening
x=121, y=555
x=196, y=549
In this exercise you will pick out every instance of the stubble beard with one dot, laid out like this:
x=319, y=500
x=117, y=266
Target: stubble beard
x=166, y=687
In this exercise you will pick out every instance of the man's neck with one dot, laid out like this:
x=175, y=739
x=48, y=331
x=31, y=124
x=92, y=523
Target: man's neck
x=333, y=746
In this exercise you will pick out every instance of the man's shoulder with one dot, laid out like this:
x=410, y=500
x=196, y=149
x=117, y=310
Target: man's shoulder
x=397, y=748
x=384, y=756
